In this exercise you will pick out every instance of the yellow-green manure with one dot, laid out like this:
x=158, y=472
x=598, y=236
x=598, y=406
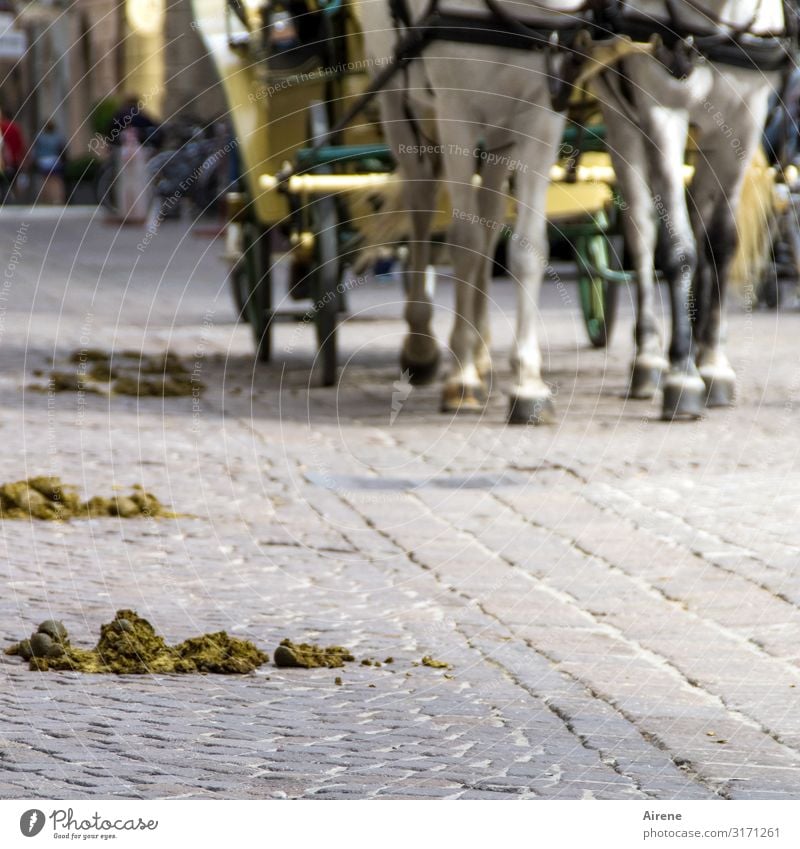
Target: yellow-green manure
x=102, y=371
x=64, y=381
x=48, y=499
x=89, y=355
x=427, y=660
x=129, y=645
x=310, y=656
x=127, y=373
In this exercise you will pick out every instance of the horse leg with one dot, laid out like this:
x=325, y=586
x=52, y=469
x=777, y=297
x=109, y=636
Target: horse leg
x=626, y=146
x=531, y=399
x=483, y=353
x=702, y=201
x=719, y=177
x=463, y=390
x=715, y=369
x=420, y=352
x=419, y=356
x=714, y=225
x=684, y=390
x=493, y=204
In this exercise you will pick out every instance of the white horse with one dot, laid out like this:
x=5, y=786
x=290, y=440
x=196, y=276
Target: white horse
x=478, y=96
x=648, y=110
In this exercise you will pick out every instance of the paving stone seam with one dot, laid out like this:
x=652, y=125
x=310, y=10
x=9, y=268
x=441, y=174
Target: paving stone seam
x=749, y=643
x=655, y=592
x=649, y=739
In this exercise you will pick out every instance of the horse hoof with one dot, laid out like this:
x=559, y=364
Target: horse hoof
x=525, y=411
x=720, y=389
x=420, y=374
x=458, y=398
x=645, y=380
x=684, y=398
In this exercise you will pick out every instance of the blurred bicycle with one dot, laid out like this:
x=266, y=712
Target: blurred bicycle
x=193, y=175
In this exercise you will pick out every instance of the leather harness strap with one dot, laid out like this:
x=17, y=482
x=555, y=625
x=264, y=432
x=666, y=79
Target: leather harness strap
x=603, y=18
x=675, y=45
x=476, y=29
x=738, y=48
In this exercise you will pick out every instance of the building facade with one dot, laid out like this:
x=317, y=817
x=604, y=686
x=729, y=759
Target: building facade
x=80, y=52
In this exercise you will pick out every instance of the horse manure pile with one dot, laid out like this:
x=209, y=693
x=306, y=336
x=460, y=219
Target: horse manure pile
x=433, y=663
x=309, y=656
x=129, y=645
x=132, y=373
x=48, y=499
x=161, y=376
x=65, y=381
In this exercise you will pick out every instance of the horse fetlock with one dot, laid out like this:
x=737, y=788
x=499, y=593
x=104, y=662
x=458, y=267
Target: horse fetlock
x=418, y=315
x=647, y=335
x=713, y=360
x=649, y=341
x=420, y=370
x=483, y=360
x=463, y=398
x=719, y=379
x=420, y=349
x=647, y=372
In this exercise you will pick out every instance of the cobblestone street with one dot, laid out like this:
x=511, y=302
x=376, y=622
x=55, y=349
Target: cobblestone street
x=617, y=598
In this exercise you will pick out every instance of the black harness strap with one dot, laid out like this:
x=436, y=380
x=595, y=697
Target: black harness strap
x=401, y=17
x=737, y=48
x=400, y=12
x=731, y=47
x=474, y=29
x=501, y=30
x=408, y=48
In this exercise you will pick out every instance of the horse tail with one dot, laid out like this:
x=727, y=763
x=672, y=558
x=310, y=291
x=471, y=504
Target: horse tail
x=756, y=220
x=382, y=222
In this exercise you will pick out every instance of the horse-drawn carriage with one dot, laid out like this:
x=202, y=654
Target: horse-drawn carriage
x=282, y=98
x=318, y=179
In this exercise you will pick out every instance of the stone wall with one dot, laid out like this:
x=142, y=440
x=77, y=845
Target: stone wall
x=191, y=83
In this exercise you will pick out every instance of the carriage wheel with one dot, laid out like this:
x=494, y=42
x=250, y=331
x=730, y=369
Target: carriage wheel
x=327, y=288
x=599, y=296
x=327, y=291
x=252, y=286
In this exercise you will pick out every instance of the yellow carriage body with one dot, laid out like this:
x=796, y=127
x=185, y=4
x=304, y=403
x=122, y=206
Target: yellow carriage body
x=269, y=110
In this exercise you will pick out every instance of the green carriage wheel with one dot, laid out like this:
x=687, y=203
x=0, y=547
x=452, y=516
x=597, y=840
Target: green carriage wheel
x=596, y=254
x=252, y=286
x=327, y=276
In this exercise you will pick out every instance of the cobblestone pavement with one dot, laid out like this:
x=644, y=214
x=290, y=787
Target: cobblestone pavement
x=618, y=597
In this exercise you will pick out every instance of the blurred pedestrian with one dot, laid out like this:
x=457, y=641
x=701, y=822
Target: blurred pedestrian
x=134, y=136
x=131, y=115
x=132, y=179
x=49, y=158
x=12, y=153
